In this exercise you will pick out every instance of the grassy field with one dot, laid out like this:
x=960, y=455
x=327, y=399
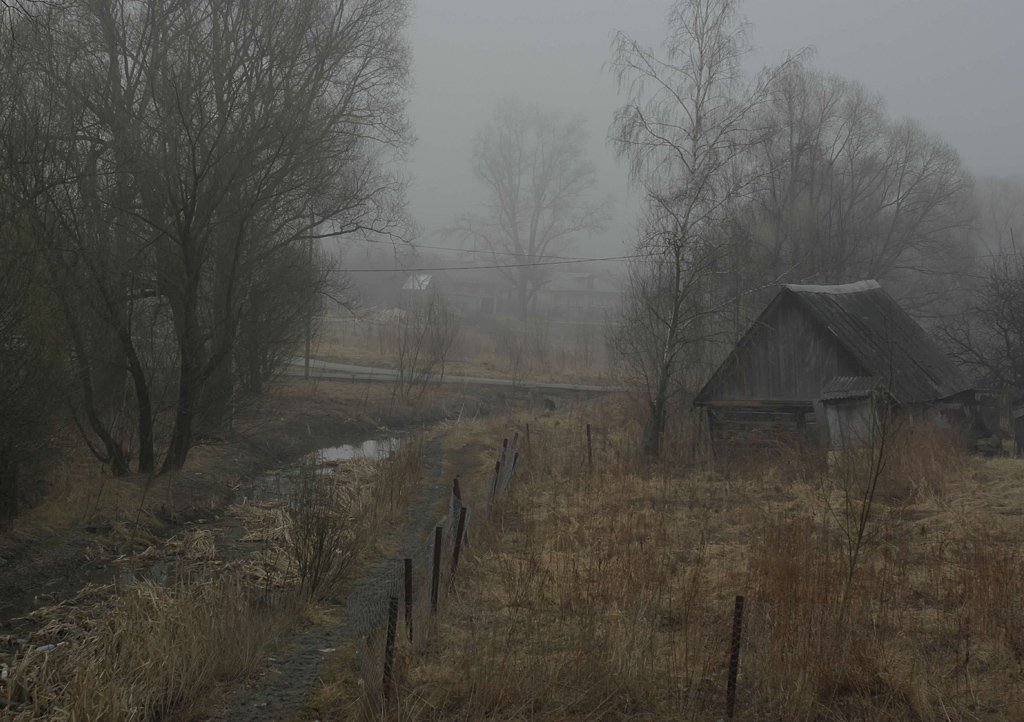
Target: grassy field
x=540, y=350
x=607, y=591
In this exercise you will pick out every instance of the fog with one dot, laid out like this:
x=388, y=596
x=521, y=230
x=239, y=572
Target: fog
x=953, y=66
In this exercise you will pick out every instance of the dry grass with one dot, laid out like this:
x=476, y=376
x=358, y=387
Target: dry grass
x=609, y=594
x=146, y=651
x=563, y=352
x=142, y=653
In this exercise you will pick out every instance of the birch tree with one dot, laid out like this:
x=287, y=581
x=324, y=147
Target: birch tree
x=682, y=132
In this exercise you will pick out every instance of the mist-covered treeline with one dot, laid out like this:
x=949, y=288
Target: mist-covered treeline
x=792, y=176
x=164, y=166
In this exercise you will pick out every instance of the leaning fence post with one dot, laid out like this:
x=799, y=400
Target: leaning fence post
x=734, y=657
x=389, y=649
x=527, y=438
x=459, y=531
x=435, y=578
x=408, y=596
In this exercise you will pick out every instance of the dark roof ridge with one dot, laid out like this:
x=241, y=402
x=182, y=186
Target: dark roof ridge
x=838, y=289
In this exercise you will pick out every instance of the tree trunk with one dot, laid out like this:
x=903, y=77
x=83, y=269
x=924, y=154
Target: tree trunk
x=185, y=307
x=147, y=458
x=8, y=485
x=181, y=437
x=524, y=299
x=654, y=428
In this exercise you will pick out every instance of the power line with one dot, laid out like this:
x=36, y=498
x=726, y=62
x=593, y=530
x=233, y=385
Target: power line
x=471, y=268
x=416, y=246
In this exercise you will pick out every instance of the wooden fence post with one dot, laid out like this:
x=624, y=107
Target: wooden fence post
x=408, y=597
x=389, y=649
x=435, y=578
x=734, y=657
x=459, y=531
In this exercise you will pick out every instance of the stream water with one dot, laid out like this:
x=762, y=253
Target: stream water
x=279, y=485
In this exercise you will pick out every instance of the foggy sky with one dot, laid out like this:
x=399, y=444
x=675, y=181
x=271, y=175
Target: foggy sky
x=955, y=66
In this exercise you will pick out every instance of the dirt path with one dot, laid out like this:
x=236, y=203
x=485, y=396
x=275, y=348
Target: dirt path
x=279, y=690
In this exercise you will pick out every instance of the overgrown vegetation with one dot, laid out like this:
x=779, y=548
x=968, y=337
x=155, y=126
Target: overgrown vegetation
x=610, y=593
x=149, y=649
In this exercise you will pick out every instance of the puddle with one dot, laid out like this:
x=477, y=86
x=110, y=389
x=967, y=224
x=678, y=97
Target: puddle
x=371, y=448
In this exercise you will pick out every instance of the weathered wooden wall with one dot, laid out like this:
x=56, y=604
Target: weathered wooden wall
x=789, y=357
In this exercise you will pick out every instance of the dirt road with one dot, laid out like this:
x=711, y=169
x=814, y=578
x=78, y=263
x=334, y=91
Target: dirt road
x=332, y=370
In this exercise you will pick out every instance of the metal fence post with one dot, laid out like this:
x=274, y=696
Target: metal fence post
x=435, y=578
x=389, y=649
x=408, y=597
x=734, y=657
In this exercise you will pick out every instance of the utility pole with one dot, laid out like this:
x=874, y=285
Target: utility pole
x=309, y=314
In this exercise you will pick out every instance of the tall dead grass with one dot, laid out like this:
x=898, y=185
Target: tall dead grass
x=142, y=653
x=609, y=593
x=337, y=517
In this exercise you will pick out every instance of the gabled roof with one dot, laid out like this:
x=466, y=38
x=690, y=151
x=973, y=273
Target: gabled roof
x=879, y=334
x=417, y=282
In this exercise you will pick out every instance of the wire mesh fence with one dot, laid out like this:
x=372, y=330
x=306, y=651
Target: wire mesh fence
x=399, y=605
x=791, y=650
x=760, y=659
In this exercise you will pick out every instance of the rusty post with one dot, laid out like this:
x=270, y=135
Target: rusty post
x=389, y=649
x=590, y=452
x=460, y=530
x=435, y=578
x=408, y=597
x=734, y=657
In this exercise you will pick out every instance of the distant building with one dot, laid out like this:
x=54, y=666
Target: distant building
x=479, y=292
x=485, y=292
x=579, y=296
x=824, y=362
x=417, y=289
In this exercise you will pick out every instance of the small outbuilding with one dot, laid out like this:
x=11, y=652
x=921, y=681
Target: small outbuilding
x=823, y=362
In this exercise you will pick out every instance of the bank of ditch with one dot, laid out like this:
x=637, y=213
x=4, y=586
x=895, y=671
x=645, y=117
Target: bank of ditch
x=143, y=637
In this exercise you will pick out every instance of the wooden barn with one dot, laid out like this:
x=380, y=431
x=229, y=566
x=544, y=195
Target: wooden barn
x=822, y=362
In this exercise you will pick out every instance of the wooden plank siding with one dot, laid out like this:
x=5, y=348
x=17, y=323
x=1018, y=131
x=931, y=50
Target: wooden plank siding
x=788, y=357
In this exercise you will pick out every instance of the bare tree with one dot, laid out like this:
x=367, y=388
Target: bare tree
x=683, y=131
x=537, y=182
x=987, y=334
x=197, y=147
x=846, y=193
x=425, y=336
x=29, y=359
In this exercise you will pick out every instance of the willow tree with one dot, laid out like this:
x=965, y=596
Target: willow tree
x=201, y=146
